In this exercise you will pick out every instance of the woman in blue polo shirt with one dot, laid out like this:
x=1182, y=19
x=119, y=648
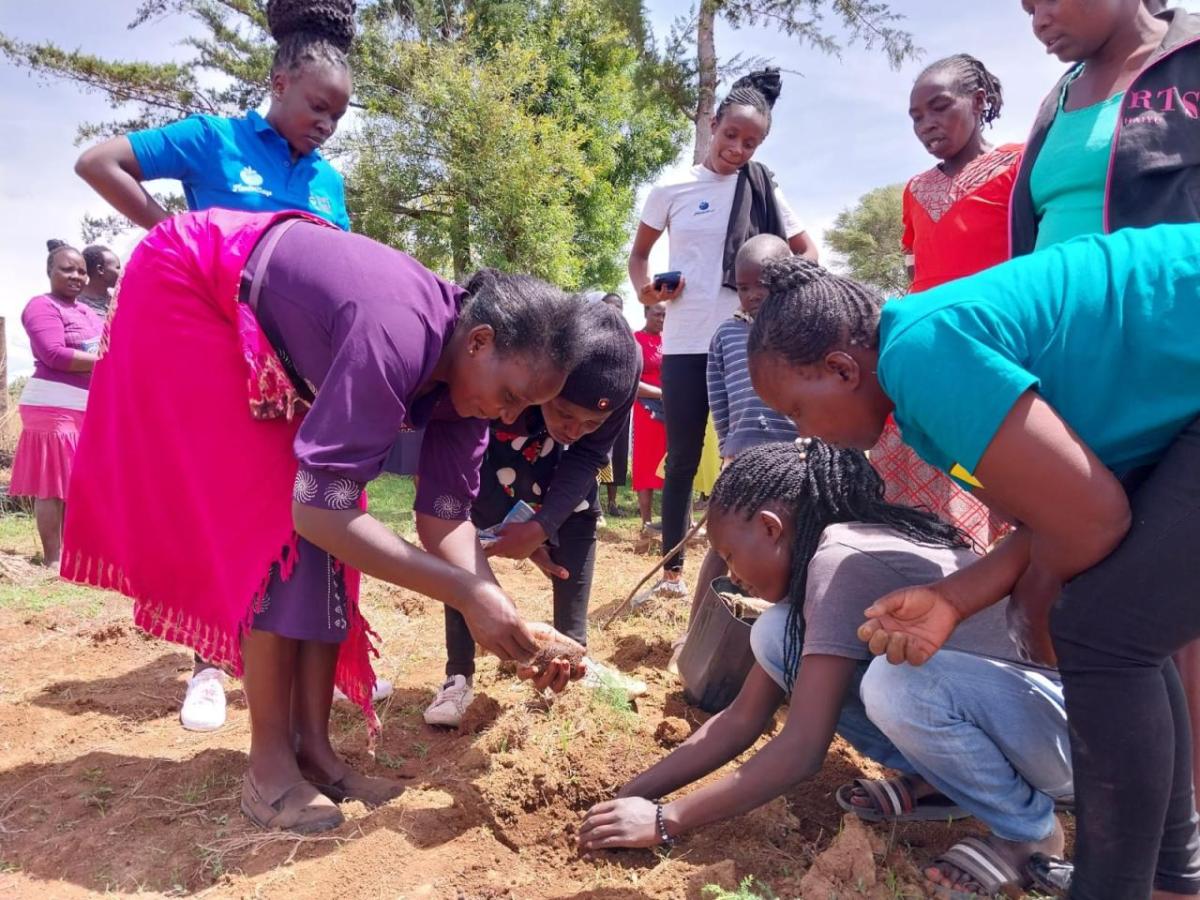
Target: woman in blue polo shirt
x=1063, y=388
x=255, y=163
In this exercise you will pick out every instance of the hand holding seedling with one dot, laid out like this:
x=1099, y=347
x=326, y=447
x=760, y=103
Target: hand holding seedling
x=909, y=625
x=557, y=661
x=495, y=624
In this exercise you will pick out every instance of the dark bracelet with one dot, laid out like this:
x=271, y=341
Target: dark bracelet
x=663, y=836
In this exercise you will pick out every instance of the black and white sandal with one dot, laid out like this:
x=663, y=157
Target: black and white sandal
x=893, y=800
x=983, y=865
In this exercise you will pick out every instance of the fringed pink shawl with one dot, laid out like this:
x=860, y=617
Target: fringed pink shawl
x=181, y=494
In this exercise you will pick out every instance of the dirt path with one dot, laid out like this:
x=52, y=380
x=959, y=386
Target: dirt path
x=102, y=791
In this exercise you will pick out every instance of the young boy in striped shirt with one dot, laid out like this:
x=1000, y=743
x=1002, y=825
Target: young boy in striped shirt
x=741, y=419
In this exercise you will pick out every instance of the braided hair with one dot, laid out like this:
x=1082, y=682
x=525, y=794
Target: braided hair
x=970, y=76
x=310, y=31
x=819, y=486
x=55, y=247
x=758, y=90
x=809, y=311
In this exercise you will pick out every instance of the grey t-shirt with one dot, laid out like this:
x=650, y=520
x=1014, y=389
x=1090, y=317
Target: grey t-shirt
x=856, y=564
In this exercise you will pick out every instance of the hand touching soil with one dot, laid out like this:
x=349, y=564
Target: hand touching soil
x=558, y=660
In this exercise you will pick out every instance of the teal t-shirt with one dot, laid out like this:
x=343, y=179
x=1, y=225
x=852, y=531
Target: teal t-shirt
x=1104, y=327
x=1070, y=176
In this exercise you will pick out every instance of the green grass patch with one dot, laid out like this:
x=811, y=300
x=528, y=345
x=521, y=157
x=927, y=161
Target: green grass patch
x=51, y=593
x=391, y=501
x=18, y=534
x=747, y=890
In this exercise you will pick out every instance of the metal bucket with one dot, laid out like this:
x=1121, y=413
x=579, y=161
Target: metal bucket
x=716, y=658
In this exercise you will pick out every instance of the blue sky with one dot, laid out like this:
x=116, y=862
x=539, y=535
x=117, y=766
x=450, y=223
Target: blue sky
x=841, y=124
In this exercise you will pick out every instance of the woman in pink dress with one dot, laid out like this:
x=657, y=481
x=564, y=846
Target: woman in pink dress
x=64, y=335
x=649, y=432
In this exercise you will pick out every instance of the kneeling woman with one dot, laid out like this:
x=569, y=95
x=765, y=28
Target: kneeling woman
x=257, y=370
x=813, y=533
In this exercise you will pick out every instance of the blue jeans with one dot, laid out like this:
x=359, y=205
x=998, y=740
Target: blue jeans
x=989, y=735
x=766, y=640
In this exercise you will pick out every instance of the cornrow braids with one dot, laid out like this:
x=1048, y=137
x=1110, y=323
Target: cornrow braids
x=311, y=31
x=971, y=75
x=758, y=90
x=810, y=311
x=820, y=486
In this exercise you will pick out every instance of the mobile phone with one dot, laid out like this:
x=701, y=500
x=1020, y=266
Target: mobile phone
x=668, y=280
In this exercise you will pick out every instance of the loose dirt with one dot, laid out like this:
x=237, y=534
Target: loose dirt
x=101, y=790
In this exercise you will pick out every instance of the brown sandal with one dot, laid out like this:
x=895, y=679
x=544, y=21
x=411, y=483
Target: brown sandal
x=300, y=808
x=367, y=789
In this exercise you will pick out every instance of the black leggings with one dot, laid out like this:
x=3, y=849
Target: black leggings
x=685, y=402
x=576, y=552
x=1114, y=629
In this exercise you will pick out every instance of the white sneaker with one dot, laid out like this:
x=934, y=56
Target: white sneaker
x=662, y=588
x=668, y=588
x=204, y=705
x=383, y=690
x=452, y=700
x=599, y=675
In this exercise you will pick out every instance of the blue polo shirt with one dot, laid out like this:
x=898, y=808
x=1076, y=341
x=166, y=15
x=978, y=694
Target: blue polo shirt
x=1103, y=327
x=240, y=164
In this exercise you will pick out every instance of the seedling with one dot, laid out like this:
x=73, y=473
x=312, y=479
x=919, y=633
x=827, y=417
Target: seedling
x=747, y=890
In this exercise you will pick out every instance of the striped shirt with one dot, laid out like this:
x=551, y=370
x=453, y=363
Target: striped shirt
x=741, y=419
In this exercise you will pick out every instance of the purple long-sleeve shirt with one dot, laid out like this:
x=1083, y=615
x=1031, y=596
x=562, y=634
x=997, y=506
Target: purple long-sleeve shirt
x=56, y=329
x=365, y=326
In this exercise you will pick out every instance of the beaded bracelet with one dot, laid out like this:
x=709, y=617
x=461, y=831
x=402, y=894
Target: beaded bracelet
x=663, y=836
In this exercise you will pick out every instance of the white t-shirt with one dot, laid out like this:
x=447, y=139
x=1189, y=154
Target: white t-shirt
x=694, y=209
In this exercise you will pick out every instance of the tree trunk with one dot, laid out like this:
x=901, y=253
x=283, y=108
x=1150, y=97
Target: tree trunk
x=706, y=59
x=460, y=239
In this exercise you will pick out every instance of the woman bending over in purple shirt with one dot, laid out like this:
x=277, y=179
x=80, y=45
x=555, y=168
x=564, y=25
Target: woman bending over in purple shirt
x=257, y=371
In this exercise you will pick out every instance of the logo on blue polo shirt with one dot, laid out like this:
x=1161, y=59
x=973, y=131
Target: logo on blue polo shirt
x=319, y=203
x=703, y=208
x=251, y=183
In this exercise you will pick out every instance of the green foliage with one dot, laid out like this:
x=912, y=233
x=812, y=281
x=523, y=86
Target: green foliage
x=519, y=144
x=868, y=23
x=746, y=890
x=867, y=238
x=507, y=133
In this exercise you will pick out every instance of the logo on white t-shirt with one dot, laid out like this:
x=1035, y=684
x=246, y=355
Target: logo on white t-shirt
x=703, y=208
x=251, y=183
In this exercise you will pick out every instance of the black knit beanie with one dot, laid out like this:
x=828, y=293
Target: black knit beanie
x=610, y=361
